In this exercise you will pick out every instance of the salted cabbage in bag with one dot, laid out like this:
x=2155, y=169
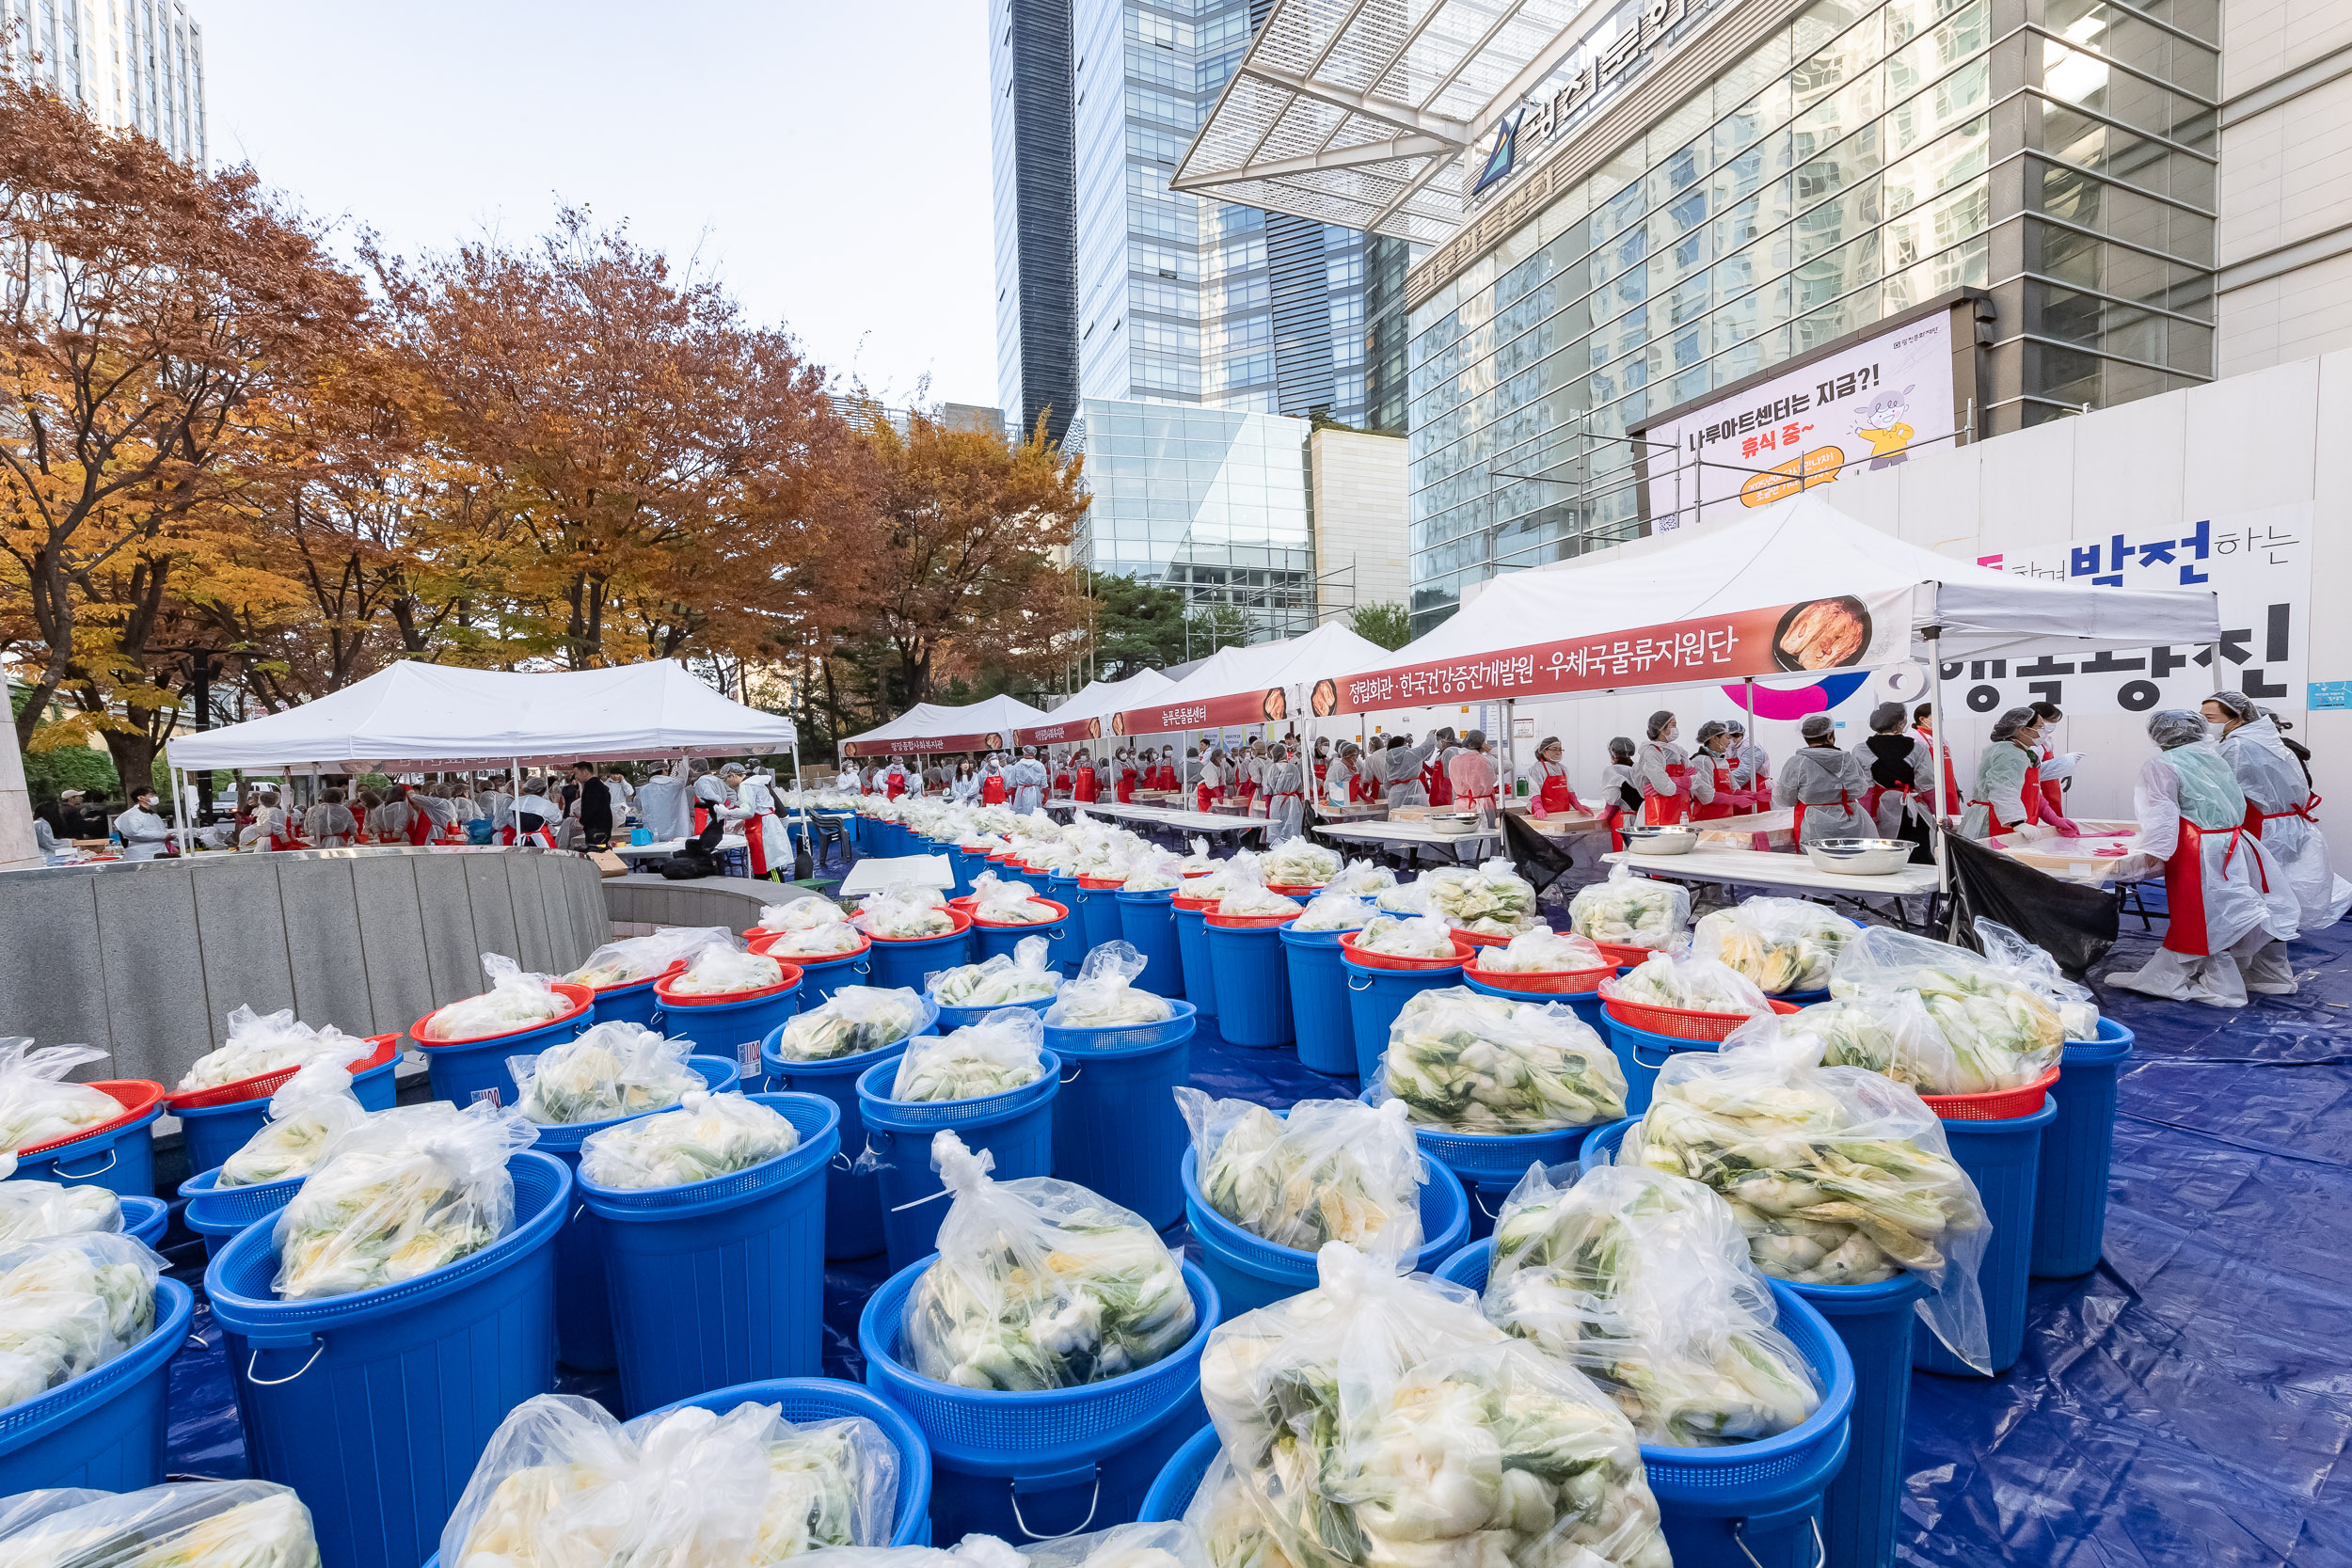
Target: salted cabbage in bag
x=1486, y=1064
x=1332, y=1170
x=849, y=1023
x=200, y=1524
x=1687, y=982
x=1334, y=912
x=612, y=1070
x=30, y=1210
x=1002, y=1051
x=515, y=1001
x=68, y=1305
x=727, y=971
x=306, y=1115
x=903, y=912
x=1299, y=862
x=1104, y=994
x=708, y=1135
x=1419, y=936
x=1541, y=951
x=1025, y=974
x=1493, y=900
x=633, y=958
x=802, y=914
x=264, y=1043
x=1782, y=944
x=38, y=1106
x=1627, y=911
x=1039, y=1284
x=2003, y=1030
x=997, y=902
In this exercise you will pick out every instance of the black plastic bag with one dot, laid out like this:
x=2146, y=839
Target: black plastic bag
x=2074, y=924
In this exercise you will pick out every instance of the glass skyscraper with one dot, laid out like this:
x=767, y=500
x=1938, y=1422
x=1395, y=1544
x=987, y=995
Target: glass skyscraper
x=133, y=65
x=1031, y=170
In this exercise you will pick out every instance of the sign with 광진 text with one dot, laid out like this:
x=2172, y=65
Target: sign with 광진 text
x=2258, y=564
x=1837, y=632
x=1855, y=410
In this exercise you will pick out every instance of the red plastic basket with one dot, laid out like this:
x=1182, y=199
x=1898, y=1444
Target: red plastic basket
x=1393, y=960
x=1544, y=982
x=1250, y=922
x=1061, y=912
x=580, y=997
x=1102, y=884
x=1296, y=890
x=791, y=978
x=956, y=911
x=263, y=1085
x=139, y=1096
x=1682, y=1023
x=1184, y=901
x=1993, y=1105
x=1616, y=953
x=760, y=941
x=1482, y=939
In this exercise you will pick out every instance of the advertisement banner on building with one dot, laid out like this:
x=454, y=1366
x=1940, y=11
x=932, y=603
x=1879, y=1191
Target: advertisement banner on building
x=1841, y=632
x=2258, y=564
x=1858, y=409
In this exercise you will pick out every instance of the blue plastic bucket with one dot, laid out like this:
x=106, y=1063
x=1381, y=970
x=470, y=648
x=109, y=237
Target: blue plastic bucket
x=1320, y=1021
x=1584, y=1003
x=1060, y=935
x=1489, y=1166
x=374, y=1406
x=1192, y=954
x=853, y=1212
x=1172, y=1489
x=1147, y=923
x=968, y=865
x=216, y=1213
x=209, y=1133
x=2003, y=1158
x=720, y=1281
x=460, y=1069
x=1641, y=1053
x=1376, y=996
x=377, y=1089
x=145, y=1219
x=901, y=963
x=1253, y=989
x=1098, y=913
x=632, y=1002
x=1742, y=1502
x=1016, y=1126
x=1250, y=1272
x=1601, y=1144
x=953, y=1019
x=1117, y=1130
x=1874, y=1322
x=104, y=1430
x=735, y=1029
x=121, y=1159
x=1069, y=939
x=1034, y=1466
x=822, y=977
x=2070, y=1210
x=584, y=1319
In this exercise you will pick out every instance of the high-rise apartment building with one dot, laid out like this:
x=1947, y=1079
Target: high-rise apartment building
x=134, y=65
x=1031, y=168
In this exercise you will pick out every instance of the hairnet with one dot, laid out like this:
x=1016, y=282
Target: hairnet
x=2009, y=724
x=1816, y=726
x=1886, y=717
x=1546, y=744
x=2046, y=711
x=1735, y=726
x=1621, y=749
x=2172, y=726
x=1474, y=739
x=1711, y=729
x=2238, y=705
x=1660, y=722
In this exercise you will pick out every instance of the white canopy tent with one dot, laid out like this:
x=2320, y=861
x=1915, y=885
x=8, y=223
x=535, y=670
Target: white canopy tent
x=927, y=728
x=1087, y=715
x=1264, y=683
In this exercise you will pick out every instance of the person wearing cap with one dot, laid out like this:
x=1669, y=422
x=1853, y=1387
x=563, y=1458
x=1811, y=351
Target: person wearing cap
x=1437, y=774
x=1554, y=794
x=1126, y=768
x=710, y=797
x=1470, y=779
x=1713, y=759
x=73, y=816
x=995, y=790
x=1399, y=767
x=1338, y=787
x=1670, y=786
x=2232, y=907
x=1026, y=779
x=1825, y=784
x=1902, y=773
x=2279, y=806
x=1751, y=767
x=1998, y=804
x=145, y=836
x=536, y=815
x=329, y=824
x=664, y=803
x=1085, y=786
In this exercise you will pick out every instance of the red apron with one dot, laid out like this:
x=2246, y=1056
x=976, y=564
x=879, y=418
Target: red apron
x=992, y=790
x=2031, y=795
x=1086, y=785
x=2184, y=888
x=1126, y=785
x=1061, y=783
x=1952, y=798
x=1556, y=798
x=1439, y=787
x=1165, y=778
x=1283, y=795
x=1202, y=796
x=1611, y=816
x=756, y=841
x=544, y=837
x=419, y=827
x=898, y=786
x=1845, y=803
x=1726, y=803
x=2256, y=816
x=1661, y=811
x=1323, y=770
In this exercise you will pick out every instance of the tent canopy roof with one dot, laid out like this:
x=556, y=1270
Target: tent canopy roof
x=1230, y=686
x=415, y=718
x=931, y=727
x=1098, y=699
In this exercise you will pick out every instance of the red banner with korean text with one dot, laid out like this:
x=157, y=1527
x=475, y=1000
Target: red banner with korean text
x=1077, y=730
x=1839, y=631
x=1270, y=706
x=994, y=740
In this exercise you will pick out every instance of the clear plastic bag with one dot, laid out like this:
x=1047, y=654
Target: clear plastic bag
x=1334, y=912
x=37, y=1105
x=1542, y=951
x=1418, y=936
x=1299, y=862
x=1039, y=1284
x=708, y=1135
x=1218, y=878
x=1224, y=1517
x=904, y=911
x=1168, y=1543
x=1494, y=900
x=563, y=1484
x=30, y=1210
x=1403, y=898
x=516, y=1000
x=634, y=958
x=1836, y=1175
x=849, y=1023
x=1104, y=995
x=1002, y=1051
x=1200, y=860
x=802, y=914
x=1379, y=1420
x=407, y=1191
x=829, y=941
x=1151, y=870
x=1489, y=1066
x=1643, y=1282
x=2077, y=1006
x=1887, y=1031
x=2003, y=1030
x=1687, y=982
x=68, y=1305
x=199, y=1524
x=1333, y=1170
x=269, y=1042
x=1360, y=878
x=306, y=1115
x=726, y=972
x=1000, y=980
x=1782, y=944
x=612, y=1070
x=1627, y=911
x=998, y=902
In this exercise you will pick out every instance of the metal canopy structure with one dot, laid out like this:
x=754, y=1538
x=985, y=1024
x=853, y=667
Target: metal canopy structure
x=1358, y=112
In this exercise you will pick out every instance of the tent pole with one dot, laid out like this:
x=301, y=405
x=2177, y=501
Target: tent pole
x=1936, y=740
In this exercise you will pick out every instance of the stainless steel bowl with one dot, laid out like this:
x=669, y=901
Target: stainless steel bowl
x=1859, y=856
x=1660, y=840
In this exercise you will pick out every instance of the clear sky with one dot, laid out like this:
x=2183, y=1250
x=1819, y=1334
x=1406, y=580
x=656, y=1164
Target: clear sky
x=831, y=161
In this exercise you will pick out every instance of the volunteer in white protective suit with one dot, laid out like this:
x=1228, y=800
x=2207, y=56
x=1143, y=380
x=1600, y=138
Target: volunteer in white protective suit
x=754, y=807
x=2233, y=909
x=1662, y=769
x=1399, y=765
x=143, y=833
x=330, y=824
x=1286, y=794
x=710, y=800
x=2279, y=803
x=1339, y=780
x=1027, y=778
x=1825, y=784
x=664, y=804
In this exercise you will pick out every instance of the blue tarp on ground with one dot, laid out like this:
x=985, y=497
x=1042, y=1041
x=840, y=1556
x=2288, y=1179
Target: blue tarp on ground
x=2187, y=1404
